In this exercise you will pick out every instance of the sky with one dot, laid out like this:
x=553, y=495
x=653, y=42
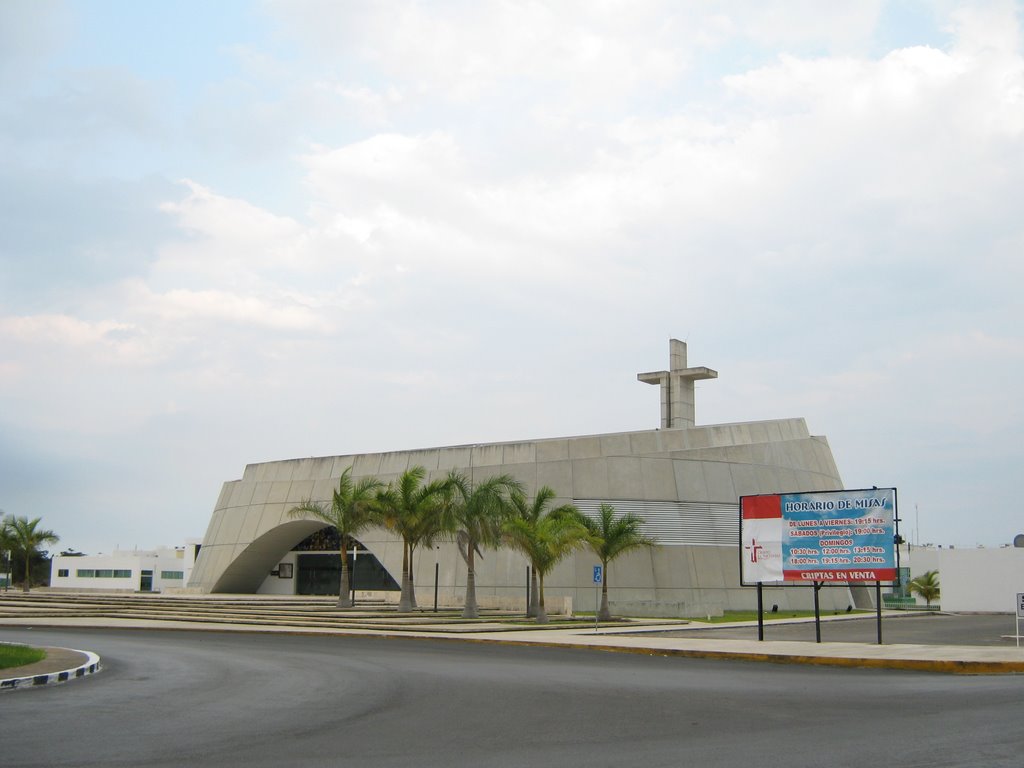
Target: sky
x=248, y=231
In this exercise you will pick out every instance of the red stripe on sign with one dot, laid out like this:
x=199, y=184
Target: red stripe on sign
x=841, y=574
x=761, y=507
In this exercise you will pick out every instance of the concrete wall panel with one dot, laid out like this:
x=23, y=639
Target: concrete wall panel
x=250, y=523
x=690, y=481
x=552, y=450
x=590, y=479
x=324, y=488
x=641, y=443
x=555, y=474
x=261, y=492
x=672, y=439
x=393, y=463
x=366, y=464
x=584, y=447
x=428, y=459
x=340, y=463
x=615, y=445
x=718, y=481
x=658, y=480
x=278, y=492
x=458, y=457
x=226, y=491
x=487, y=455
x=519, y=453
x=624, y=478
x=300, y=491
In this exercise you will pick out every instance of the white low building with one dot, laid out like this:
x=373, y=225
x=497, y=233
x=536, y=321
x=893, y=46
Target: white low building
x=123, y=570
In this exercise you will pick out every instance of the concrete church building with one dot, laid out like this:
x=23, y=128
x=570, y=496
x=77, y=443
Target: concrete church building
x=683, y=479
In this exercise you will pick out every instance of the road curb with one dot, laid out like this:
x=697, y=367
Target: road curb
x=90, y=667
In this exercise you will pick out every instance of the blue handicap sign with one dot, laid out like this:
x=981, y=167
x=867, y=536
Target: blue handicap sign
x=597, y=574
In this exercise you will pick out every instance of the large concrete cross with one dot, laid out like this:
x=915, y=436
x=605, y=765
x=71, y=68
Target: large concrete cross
x=677, y=386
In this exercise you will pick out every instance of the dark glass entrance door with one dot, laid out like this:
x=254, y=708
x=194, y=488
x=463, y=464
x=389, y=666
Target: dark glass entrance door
x=146, y=582
x=320, y=574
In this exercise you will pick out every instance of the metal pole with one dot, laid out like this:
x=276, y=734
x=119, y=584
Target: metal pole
x=897, y=540
x=878, y=609
x=817, y=613
x=760, y=612
x=437, y=571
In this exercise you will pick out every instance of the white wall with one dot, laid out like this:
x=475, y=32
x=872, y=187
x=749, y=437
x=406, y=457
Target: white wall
x=973, y=580
x=275, y=585
x=981, y=579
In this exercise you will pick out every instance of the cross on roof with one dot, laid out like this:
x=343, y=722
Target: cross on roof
x=677, y=390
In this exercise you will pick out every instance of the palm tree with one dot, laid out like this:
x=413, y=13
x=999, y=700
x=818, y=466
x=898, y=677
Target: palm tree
x=350, y=512
x=475, y=513
x=521, y=538
x=24, y=538
x=545, y=537
x=926, y=585
x=610, y=536
x=410, y=508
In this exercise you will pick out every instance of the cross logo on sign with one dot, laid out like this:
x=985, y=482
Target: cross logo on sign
x=754, y=548
x=597, y=574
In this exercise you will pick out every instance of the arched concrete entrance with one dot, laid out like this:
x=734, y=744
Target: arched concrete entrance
x=254, y=562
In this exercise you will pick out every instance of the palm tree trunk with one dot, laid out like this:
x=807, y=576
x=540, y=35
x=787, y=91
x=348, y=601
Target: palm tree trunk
x=412, y=582
x=344, y=592
x=470, y=611
x=534, y=594
x=405, y=603
x=26, y=585
x=542, y=615
x=604, y=614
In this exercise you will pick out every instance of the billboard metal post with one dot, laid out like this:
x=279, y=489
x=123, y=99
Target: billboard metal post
x=817, y=613
x=878, y=609
x=760, y=612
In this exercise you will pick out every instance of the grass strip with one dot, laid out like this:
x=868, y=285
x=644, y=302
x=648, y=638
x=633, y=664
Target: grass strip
x=735, y=616
x=19, y=655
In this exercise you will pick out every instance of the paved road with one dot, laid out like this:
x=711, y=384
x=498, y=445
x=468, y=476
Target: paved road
x=919, y=628
x=194, y=698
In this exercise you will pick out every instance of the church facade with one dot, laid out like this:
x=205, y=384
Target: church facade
x=683, y=480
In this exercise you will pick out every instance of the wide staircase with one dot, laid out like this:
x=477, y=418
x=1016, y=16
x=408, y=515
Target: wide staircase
x=245, y=610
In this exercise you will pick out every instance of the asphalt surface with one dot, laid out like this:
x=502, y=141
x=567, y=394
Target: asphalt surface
x=204, y=698
x=914, y=628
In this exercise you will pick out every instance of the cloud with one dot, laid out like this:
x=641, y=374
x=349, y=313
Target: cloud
x=458, y=51
x=212, y=307
x=59, y=329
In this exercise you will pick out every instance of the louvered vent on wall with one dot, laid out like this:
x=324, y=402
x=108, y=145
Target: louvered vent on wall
x=677, y=522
